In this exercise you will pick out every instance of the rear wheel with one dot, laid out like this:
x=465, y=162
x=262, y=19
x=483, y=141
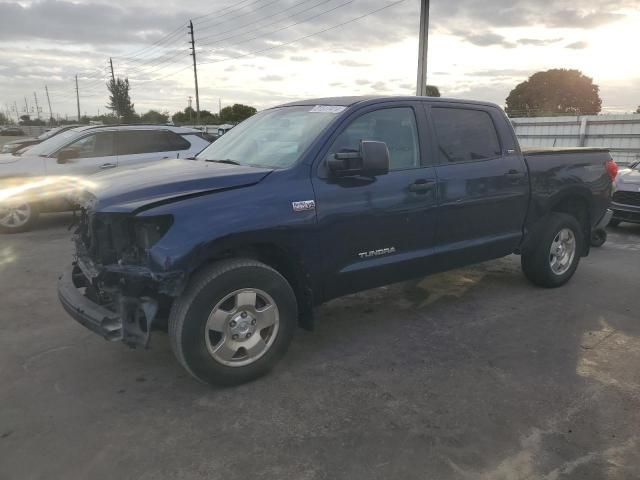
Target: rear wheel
x=235, y=320
x=553, y=260
x=17, y=217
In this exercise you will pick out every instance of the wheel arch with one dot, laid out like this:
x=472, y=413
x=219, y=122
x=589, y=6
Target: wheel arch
x=285, y=260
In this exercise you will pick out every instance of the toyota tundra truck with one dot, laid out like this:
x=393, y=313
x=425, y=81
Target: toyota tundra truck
x=231, y=250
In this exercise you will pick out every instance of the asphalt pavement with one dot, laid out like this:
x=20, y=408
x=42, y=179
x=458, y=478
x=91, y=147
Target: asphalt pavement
x=471, y=374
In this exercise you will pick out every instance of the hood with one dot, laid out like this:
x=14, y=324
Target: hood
x=627, y=177
x=133, y=188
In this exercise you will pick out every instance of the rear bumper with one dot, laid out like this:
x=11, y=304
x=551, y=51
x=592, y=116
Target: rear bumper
x=604, y=221
x=95, y=317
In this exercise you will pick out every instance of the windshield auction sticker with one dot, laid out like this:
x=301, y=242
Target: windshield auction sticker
x=327, y=109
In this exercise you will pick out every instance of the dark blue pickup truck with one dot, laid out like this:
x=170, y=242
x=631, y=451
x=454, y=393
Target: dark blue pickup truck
x=305, y=202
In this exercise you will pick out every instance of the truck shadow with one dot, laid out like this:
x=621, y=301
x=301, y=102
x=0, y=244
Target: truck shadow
x=492, y=377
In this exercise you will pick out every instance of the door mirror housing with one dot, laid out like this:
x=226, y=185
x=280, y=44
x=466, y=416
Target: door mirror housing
x=371, y=160
x=67, y=154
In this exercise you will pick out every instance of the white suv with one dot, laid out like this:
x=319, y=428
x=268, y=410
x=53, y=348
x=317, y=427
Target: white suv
x=38, y=180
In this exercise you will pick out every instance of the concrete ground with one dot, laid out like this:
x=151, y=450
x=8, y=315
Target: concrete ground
x=472, y=374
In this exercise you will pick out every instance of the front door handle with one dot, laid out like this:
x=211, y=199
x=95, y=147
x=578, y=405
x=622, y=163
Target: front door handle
x=105, y=166
x=422, y=186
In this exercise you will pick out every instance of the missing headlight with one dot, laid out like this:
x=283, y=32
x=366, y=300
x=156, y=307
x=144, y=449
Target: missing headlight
x=149, y=230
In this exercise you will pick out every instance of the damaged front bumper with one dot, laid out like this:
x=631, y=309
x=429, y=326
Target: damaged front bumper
x=111, y=312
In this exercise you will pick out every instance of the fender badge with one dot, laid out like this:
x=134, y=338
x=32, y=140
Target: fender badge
x=303, y=205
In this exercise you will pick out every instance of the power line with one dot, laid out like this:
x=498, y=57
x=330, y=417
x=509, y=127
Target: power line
x=305, y=36
x=237, y=16
x=281, y=28
x=218, y=12
x=264, y=18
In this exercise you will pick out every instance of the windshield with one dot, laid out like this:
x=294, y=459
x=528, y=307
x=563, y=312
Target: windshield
x=274, y=138
x=52, y=144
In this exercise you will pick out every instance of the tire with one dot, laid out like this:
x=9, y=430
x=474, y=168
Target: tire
x=216, y=314
x=598, y=237
x=537, y=260
x=18, y=218
x=614, y=222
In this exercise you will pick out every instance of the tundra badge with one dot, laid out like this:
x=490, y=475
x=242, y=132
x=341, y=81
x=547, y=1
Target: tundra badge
x=377, y=253
x=303, y=205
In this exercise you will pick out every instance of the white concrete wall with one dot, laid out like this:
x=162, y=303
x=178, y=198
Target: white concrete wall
x=619, y=133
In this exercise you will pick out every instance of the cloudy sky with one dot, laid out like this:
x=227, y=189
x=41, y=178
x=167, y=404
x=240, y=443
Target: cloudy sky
x=265, y=52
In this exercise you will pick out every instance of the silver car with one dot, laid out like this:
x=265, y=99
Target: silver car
x=626, y=198
x=42, y=177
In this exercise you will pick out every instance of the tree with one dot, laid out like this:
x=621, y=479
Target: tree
x=3, y=119
x=433, y=91
x=120, y=101
x=554, y=92
x=236, y=113
x=188, y=116
x=638, y=110
x=25, y=120
x=154, y=117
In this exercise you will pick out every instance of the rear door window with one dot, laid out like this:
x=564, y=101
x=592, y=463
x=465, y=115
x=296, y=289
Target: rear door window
x=464, y=135
x=134, y=142
x=176, y=142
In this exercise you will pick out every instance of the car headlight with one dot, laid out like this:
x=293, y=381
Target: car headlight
x=149, y=230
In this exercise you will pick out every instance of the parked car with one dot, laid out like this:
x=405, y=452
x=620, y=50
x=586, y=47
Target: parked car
x=42, y=178
x=12, y=131
x=16, y=145
x=626, y=198
x=316, y=199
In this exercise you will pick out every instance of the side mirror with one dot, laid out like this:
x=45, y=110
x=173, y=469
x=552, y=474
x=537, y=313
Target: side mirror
x=67, y=154
x=371, y=160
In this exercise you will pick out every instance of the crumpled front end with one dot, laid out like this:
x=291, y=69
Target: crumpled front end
x=114, y=287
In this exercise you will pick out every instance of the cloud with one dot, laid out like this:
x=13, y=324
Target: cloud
x=537, y=42
x=298, y=58
x=352, y=63
x=578, y=45
x=485, y=39
x=500, y=73
x=362, y=81
x=272, y=78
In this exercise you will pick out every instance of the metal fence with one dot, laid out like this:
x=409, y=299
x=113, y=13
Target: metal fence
x=619, y=133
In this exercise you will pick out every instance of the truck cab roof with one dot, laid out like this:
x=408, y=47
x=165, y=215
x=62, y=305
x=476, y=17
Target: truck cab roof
x=373, y=99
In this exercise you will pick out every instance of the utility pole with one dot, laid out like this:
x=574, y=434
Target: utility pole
x=219, y=106
x=78, y=98
x=195, y=71
x=37, y=107
x=26, y=106
x=49, y=102
x=423, y=39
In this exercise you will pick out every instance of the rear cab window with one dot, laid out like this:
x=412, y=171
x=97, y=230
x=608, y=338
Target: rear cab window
x=132, y=142
x=464, y=135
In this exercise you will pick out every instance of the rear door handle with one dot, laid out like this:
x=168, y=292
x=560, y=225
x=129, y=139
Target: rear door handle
x=104, y=166
x=514, y=173
x=421, y=186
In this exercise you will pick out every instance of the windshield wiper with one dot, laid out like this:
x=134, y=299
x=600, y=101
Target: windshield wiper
x=226, y=160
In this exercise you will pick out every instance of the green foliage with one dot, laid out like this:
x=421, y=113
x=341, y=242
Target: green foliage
x=3, y=119
x=154, y=117
x=638, y=110
x=433, y=91
x=554, y=92
x=188, y=117
x=120, y=101
x=236, y=113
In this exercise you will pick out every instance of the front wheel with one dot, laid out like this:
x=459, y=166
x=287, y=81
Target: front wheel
x=614, y=222
x=234, y=322
x=553, y=260
x=17, y=217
